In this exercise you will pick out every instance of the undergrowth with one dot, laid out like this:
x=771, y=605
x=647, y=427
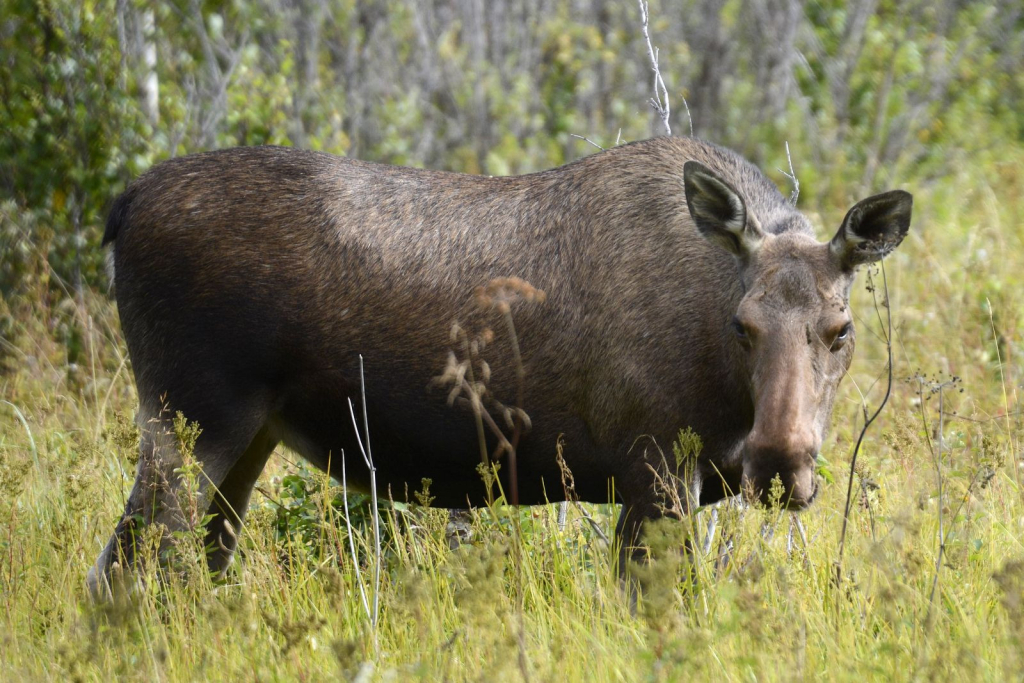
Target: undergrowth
x=758, y=600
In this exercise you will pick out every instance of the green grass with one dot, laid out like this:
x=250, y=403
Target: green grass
x=547, y=599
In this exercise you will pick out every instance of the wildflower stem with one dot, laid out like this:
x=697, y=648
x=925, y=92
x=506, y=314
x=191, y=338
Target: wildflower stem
x=867, y=424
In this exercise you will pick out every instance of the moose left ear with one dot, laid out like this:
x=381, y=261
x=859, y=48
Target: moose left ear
x=872, y=228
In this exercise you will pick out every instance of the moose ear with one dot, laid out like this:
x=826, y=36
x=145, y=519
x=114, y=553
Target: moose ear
x=718, y=211
x=872, y=228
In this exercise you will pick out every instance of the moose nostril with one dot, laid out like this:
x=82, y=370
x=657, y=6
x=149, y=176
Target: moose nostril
x=774, y=482
x=804, y=488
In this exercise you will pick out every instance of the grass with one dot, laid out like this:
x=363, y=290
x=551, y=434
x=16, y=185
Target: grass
x=291, y=609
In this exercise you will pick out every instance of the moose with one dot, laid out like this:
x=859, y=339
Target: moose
x=682, y=290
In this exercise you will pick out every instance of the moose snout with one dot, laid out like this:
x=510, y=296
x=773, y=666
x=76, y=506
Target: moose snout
x=790, y=461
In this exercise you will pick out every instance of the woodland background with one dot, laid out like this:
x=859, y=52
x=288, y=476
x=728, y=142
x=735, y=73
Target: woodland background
x=868, y=93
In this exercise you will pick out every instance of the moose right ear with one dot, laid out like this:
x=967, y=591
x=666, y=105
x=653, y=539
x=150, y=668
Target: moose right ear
x=872, y=228
x=718, y=211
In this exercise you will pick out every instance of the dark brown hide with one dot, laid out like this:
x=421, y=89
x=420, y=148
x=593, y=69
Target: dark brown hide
x=249, y=280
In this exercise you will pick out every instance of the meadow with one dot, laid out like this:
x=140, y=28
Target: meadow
x=931, y=583
x=928, y=583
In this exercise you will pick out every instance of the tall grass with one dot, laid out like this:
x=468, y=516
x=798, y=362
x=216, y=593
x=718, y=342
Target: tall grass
x=761, y=603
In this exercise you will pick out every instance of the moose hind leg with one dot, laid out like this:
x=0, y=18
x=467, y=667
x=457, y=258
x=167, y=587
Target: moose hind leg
x=170, y=494
x=231, y=500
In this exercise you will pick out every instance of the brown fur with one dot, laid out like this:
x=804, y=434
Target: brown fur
x=249, y=280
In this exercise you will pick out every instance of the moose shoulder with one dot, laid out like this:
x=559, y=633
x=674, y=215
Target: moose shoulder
x=682, y=291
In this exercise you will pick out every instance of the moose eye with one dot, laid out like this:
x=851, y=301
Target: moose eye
x=843, y=336
x=740, y=330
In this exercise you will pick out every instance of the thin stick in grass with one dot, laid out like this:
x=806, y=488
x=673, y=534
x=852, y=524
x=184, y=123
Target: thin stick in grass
x=351, y=542
x=368, y=459
x=867, y=424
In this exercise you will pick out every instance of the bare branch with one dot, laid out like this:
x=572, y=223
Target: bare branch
x=586, y=139
x=792, y=176
x=368, y=459
x=351, y=541
x=689, y=118
x=864, y=429
x=660, y=102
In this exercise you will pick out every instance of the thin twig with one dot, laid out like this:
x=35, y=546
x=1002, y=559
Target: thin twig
x=660, y=102
x=368, y=459
x=864, y=429
x=351, y=542
x=586, y=139
x=792, y=176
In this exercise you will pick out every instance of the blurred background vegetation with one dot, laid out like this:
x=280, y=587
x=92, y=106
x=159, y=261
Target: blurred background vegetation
x=868, y=93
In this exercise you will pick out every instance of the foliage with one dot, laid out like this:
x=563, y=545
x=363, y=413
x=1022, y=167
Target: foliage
x=867, y=93
x=71, y=135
